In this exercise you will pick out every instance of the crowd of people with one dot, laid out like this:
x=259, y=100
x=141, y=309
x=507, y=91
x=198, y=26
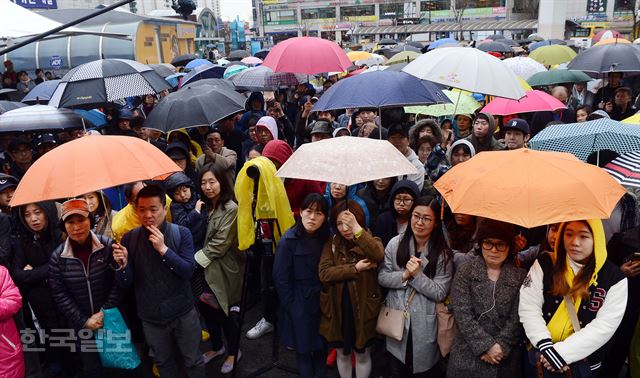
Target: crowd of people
x=478, y=297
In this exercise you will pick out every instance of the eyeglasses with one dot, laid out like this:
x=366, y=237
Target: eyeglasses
x=404, y=201
x=500, y=246
x=424, y=220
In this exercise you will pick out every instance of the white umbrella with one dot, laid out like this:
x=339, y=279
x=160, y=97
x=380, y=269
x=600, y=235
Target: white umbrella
x=373, y=60
x=523, y=66
x=326, y=161
x=468, y=69
x=376, y=68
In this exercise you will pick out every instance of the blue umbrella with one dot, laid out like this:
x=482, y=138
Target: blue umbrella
x=174, y=79
x=442, y=42
x=209, y=71
x=41, y=93
x=548, y=42
x=366, y=91
x=95, y=116
x=196, y=63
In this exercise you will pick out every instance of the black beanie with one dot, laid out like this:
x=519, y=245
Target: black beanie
x=493, y=229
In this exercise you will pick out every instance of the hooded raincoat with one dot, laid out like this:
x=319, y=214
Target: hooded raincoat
x=488, y=143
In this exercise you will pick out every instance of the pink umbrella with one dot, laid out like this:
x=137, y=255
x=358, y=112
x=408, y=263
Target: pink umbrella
x=251, y=60
x=606, y=34
x=307, y=55
x=533, y=101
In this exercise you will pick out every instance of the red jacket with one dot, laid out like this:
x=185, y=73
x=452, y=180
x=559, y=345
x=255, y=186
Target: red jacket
x=298, y=189
x=11, y=358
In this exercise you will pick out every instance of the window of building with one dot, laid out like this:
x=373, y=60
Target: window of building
x=316, y=13
x=393, y=10
x=623, y=6
x=357, y=11
x=281, y=16
x=435, y=5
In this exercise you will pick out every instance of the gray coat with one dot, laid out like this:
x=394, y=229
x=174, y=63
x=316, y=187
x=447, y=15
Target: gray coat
x=422, y=311
x=472, y=295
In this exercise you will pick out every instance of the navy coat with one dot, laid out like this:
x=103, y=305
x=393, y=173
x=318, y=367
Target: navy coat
x=295, y=273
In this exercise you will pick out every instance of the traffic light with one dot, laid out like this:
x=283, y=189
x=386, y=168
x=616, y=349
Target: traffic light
x=184, y=7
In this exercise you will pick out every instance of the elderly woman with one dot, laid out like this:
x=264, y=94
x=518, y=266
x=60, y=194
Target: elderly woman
x=82, y=279
x=484, y=298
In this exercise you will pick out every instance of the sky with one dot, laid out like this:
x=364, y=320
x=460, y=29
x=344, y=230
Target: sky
x=232, y=8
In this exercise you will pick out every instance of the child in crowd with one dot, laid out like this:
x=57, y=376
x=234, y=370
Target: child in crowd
x=186, y=207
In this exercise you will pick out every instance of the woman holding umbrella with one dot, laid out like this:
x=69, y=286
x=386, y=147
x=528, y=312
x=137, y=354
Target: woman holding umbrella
x=571, y=302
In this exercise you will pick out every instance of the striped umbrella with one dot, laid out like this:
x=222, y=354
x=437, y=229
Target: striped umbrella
x=264, y=79
x=582, y=139
x=626, y=169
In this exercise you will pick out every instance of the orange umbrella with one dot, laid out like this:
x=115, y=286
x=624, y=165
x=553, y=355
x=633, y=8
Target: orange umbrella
x=91, y=163
x=529, y=188
x=609, y=41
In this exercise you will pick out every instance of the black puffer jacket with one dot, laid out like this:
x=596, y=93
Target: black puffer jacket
x=79, y=292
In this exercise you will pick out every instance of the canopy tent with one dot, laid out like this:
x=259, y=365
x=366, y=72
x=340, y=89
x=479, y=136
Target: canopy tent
x=18, y=22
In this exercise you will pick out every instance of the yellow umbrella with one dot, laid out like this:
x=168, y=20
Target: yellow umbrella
x=553, y=54
x=634, y=119
x=358, y=55
x=609, y=41
x=403, y=57
x=523, y=83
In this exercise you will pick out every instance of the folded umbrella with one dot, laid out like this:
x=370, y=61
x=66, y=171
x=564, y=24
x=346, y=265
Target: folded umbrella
x=533, y=101
x=192, y=107
x=541, y=188
x=40, y=118
x=325, y=161
x=88, y=164
x=41, y=93
x=364, y=91
x=583, y=139
x=557, y=76
x=626, y=169
x=600, y=60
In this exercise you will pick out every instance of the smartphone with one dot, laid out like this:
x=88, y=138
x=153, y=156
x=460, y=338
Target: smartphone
x=636, y=256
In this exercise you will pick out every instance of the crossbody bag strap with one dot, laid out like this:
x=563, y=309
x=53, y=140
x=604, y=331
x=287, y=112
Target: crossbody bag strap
x=573, y=316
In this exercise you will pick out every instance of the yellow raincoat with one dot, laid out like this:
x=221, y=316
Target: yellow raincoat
x=126, y=220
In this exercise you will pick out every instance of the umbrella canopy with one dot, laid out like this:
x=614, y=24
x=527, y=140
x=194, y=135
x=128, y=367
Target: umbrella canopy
x=461, y=103
x=609, y=41
x=164, y=69
x=634, y=119
x=376, y=68
x=174, y=80
x=397, y=67
x=358, y=55
x=223, y=62
x=373, y=60
x=606, y=34
x=626, y=169
x=226, y=84
x=196, y=63
x=211, y=71
x=403, y=57
x=557, y=76
x=181, y=60
x=582, y=139
x=262, y=53
x=495, y=37
x=405, y=47
x=191, y=107
x=38, y=118
x=93, y=84
x=91, y=163
x=231, y=71
x=95, y=116
x=237, y=55
x=264, y=79
x=616, y=57
x=533, y=101
x=307, y=55
x=508, y=42
x=548, y=42
x=42, y=92
x=416, y=44
x=553, y=54
x=442, y=42
x=363, y=91
x=324, y=161
x=468, y=69
x=494, y=46
x=6, y=106
x=523, y=66
x=541, y=188
x=251, y=60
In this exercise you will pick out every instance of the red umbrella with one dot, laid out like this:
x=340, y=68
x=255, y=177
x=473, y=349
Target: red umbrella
x=307, y=55
x=606, y=34
x=533, y=101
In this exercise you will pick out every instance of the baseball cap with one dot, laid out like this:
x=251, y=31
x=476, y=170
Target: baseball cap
x=7, y=181
x=177, y=151
x=45, y=138
x=74, y=206
x=517, y=124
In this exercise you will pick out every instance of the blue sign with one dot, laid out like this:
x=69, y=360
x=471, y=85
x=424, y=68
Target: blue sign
x=41, y=4
x=55, y=62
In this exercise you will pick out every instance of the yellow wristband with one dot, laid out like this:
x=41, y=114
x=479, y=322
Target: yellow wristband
x=359, y=233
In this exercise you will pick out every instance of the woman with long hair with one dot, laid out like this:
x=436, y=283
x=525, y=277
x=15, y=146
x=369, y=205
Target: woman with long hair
x=417, y=261
x=572, y=301
x=101, y=212
x=350, y=299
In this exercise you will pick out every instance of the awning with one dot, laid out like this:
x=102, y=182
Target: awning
x=449, y=26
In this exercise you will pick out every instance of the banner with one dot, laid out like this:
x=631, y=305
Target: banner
x=37, y=4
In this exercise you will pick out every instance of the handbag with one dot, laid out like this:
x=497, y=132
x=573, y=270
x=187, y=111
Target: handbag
x=391, y=321
x=114, y=342
x=446, y=328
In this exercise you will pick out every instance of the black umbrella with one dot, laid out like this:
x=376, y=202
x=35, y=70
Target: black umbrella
x=206, y=71
x=223, y=83
x=39, y=118
x=495, y=37
x=415, y=44
x=96, y=83
x=401, y=48
x=494, y=46
x=397, y=67
x=388, y=53
x=387, y=41
x=614, y=57
x=163, y=70
x=41, y=93
x=508, y=42
x=183, y=59
x=6, y=106
x=237, y=55
x=262, y=53
x=10, y=94
x=192, y=107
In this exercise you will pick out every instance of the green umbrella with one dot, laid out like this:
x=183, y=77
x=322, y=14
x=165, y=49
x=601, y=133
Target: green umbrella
x=403, y=57
x=553, y=54
x=558, y=76
x=461, y=104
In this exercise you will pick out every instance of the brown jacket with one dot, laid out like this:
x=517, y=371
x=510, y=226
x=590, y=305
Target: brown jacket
x=337, y=267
